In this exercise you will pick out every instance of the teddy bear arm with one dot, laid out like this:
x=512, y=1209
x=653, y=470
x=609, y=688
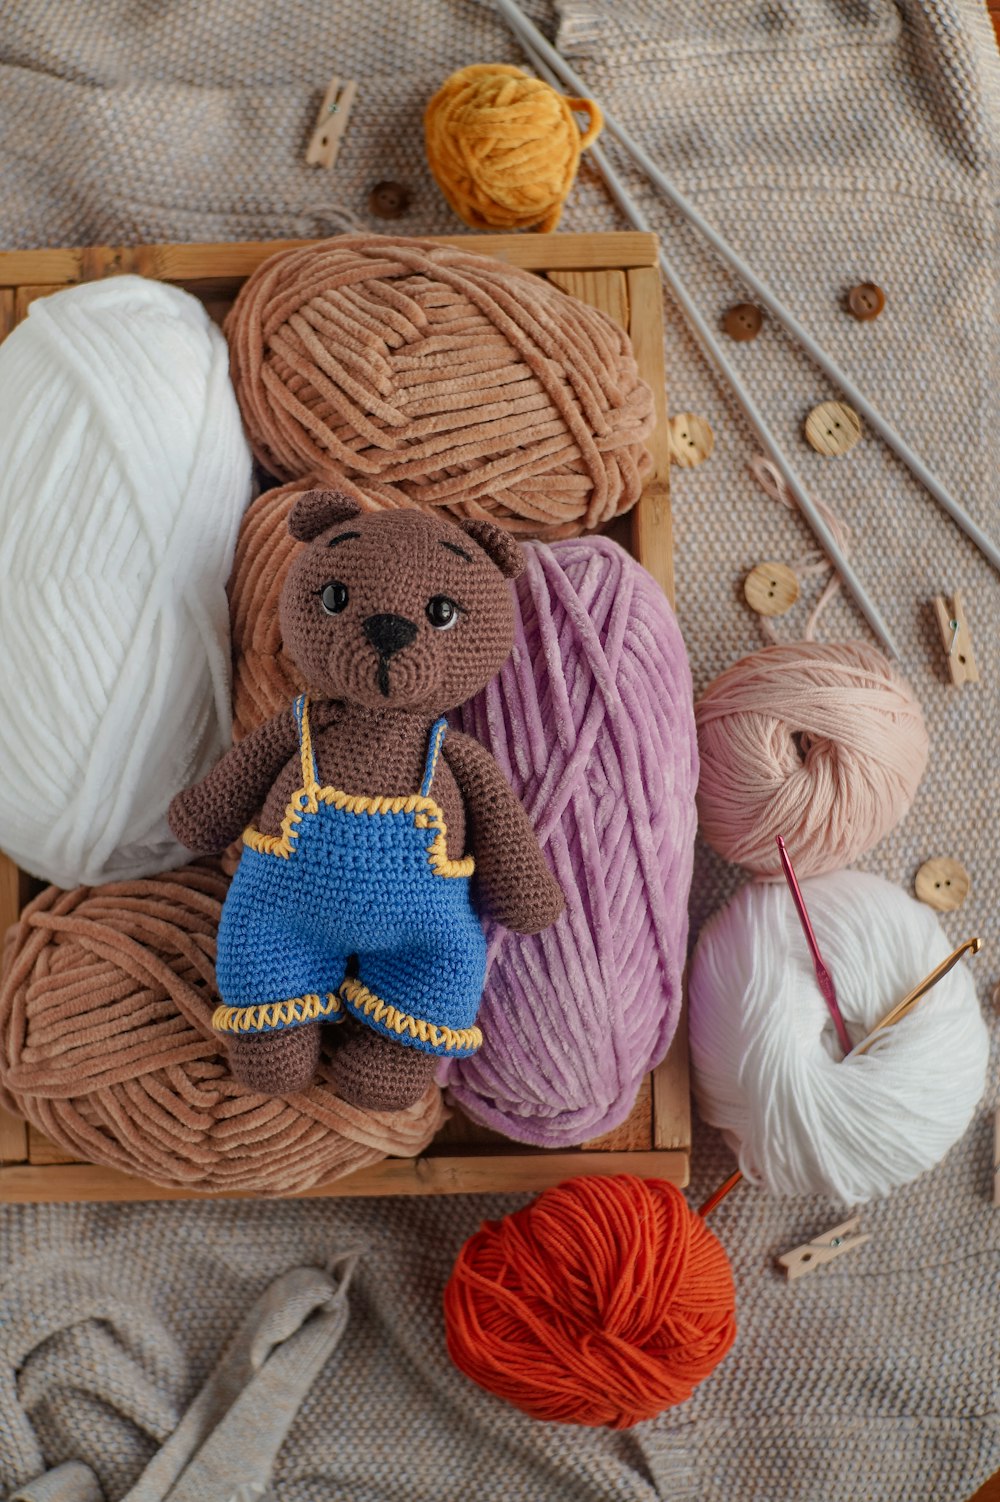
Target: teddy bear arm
x=516, y=887
x=209, y=815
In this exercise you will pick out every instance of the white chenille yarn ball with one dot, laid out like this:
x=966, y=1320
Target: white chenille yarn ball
x=767, y=1064
x=124, y=473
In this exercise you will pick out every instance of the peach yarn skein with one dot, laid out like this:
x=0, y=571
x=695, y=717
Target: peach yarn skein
x=822, y=743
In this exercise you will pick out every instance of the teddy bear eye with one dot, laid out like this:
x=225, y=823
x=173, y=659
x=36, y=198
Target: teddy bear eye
x=334, y=597
x=442, y=612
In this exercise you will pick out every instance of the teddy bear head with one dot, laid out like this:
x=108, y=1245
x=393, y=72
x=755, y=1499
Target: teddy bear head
x=396, y=609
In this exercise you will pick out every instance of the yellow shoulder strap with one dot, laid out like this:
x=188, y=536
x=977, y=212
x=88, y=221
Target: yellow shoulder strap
x=310, y=780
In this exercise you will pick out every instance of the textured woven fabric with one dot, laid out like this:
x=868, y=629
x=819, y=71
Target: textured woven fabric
x=833, y=144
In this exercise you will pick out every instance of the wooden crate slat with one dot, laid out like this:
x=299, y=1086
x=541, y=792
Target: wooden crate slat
x=482, y=1174
x=672, y=1093
x=43, y=1151
x=605, y=290
x=616, y=273
x=17, y=266
x=13, y=1141
x=26, y=295
x=635, y=1134
x=182, y=262
x=652, y=533
x=14, y=887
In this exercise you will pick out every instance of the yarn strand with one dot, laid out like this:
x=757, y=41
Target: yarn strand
x=774, y=484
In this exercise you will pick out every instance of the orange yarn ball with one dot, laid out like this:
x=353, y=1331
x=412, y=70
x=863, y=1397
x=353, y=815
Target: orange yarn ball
x=504, y=147
x=603, y=1302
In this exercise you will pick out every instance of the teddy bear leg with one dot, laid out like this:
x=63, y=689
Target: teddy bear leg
x=278, y=1063
x=374, y=1072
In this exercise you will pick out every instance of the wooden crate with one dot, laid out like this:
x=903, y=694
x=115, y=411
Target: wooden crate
x=615, y=272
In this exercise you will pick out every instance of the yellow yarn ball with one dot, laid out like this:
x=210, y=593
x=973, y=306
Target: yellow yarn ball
x=504, y=147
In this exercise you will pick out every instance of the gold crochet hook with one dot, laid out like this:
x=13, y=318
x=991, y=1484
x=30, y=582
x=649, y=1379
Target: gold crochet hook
x=973, y=946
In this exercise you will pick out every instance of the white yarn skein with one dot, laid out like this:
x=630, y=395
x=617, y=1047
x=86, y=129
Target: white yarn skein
x=124, y=473
x=767, y=1064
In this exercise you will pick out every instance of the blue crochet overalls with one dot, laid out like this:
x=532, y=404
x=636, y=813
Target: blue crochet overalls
x=354, y=876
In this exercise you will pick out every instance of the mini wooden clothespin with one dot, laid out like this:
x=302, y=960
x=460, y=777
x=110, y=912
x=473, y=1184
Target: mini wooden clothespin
x=580, y=24
x=331, y=122
x=823, y=1248
x=955, y=638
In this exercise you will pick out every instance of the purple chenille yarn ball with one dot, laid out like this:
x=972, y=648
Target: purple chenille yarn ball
x=592, y=721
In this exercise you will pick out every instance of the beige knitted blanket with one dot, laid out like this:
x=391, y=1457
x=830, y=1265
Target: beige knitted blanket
x=834, y=141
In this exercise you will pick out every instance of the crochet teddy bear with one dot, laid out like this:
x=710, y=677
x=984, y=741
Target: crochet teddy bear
x=355, y=901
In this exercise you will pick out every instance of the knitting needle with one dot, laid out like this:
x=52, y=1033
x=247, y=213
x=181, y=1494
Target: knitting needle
x=751, y=411
x=529, y=33
x=823, y=976
x=909, y=1001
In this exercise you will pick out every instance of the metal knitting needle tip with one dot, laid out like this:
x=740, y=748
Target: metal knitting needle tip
x=823, y=976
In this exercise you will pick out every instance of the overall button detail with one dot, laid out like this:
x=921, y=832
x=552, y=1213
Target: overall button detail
x=833, y=428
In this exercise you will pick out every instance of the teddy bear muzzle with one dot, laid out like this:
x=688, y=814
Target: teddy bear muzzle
x=388, y=634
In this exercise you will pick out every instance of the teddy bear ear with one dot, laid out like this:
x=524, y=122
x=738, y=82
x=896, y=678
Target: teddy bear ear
x=500, y=545
x=316, y=510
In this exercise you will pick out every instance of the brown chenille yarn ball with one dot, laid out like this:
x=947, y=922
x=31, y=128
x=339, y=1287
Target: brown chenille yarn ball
x=106, y=1045
x=265, y=679
x=425, y=375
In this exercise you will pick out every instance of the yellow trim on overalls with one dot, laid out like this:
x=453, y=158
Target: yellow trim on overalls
x=307, y=798
x=366, y=1001
x=272, y=1014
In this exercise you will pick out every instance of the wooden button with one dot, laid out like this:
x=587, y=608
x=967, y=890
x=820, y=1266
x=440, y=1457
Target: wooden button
x=743, y=322
x=691, y=440
x=388, y=200
x=865, y=301
x=833, y=428
x=943, y=884
x=771, y=588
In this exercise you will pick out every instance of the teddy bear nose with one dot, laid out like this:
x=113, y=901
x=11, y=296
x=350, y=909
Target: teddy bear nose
x=389, y=633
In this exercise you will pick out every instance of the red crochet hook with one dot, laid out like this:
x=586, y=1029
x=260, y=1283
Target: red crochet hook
x=823, y=976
